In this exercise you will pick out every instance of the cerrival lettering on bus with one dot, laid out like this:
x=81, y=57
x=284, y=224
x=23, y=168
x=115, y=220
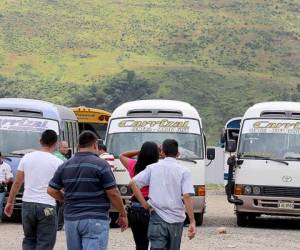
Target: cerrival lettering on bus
x=267, y=124
x=159, y=123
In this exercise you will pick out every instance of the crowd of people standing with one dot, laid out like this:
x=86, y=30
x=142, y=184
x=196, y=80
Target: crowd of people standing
x=84, y=187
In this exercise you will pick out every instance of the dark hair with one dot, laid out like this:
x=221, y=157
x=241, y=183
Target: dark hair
x=149, y=154
x=101, y=146
x=170, y=147
x=87, y=138
x=49, y=138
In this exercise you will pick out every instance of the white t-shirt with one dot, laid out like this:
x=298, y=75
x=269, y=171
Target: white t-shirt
x=5, y=172
x=39, y=168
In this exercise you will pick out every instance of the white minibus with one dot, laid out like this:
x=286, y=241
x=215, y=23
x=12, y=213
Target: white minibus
x=265, y=175
x=133, y=123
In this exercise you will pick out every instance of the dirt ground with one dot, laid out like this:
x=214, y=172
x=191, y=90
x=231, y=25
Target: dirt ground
x=266, y=233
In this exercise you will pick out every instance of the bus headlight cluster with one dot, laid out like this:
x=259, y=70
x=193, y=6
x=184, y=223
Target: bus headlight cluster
x=251, y=190
x=247, y=190
x=124, y=190
x=256, y=190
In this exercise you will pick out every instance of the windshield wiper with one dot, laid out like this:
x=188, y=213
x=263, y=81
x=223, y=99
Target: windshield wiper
x=187, y=159
x=265, y=158
x=15, y=154
x=292, y=158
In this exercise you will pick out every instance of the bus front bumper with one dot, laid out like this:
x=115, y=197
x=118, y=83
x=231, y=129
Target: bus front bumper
x=269, y=205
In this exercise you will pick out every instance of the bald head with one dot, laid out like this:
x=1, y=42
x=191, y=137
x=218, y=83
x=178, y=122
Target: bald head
x=64, y=147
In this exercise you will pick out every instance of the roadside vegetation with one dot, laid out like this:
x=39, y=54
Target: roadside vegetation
x=221, y=56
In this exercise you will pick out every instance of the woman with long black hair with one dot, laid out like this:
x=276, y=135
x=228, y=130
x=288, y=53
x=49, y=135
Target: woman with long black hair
x=138, y=216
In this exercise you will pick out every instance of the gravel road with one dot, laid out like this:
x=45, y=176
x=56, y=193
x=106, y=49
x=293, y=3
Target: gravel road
x=267, y=233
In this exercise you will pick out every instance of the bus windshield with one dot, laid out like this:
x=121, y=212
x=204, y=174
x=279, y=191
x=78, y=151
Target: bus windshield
x=190, y=145
x=99, y=129
x=277, y=139
x=19, y=135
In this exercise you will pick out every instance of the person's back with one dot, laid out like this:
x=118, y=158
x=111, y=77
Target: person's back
x=167, y=177
x=38, y=208
x=87, y=186
x=84, y=186
x=38, y=167
x=168, y=183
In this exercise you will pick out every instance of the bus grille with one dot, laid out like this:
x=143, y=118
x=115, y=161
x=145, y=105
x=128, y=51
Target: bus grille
x=281, y=191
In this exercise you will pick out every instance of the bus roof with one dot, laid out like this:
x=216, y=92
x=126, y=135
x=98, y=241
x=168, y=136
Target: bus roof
x=258, y=109
x=187, y=110
x=38, y=108
x=92, y=110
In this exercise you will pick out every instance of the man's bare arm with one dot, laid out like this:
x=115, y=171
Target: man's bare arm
x=56, y=194
x=138, y=194
x=16, y=187
x=9, y=207
x=188, y=202
x=115, y=198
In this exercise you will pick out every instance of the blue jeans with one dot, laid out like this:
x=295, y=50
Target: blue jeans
x=2, y=196
x=163, y=235
x=87, y=234
x=39, y=226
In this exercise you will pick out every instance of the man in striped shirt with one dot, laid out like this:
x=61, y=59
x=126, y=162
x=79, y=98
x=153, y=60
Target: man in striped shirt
x=89, y=189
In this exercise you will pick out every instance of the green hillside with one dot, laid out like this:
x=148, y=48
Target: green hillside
x=221, y=56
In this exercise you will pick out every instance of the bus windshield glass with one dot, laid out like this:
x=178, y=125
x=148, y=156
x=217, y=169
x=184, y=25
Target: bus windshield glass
x=277, y=139
x=130, y=134
x=97, y=128
x=19, y=135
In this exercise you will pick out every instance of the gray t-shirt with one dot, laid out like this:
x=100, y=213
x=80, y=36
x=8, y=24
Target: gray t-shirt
x=167, y=181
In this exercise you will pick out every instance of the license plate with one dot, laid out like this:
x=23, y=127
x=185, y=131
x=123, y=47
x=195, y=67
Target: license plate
x=285, y=205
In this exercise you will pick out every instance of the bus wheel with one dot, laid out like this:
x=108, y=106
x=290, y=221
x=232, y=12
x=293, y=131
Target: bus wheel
x=251, y=218
x=198, y=218
x=241, y=219
x=113, y=218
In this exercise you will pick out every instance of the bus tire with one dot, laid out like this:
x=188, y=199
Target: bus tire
x=198, y=218
x=241, y=219
x=113, y=218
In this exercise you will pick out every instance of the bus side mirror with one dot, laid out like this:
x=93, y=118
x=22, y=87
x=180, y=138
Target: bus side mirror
x=210, y=154
x=231, y=146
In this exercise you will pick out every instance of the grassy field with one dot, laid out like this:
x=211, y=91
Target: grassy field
x=221, y=56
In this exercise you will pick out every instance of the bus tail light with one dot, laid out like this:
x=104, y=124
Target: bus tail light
x=237, y=189
x=200, y=190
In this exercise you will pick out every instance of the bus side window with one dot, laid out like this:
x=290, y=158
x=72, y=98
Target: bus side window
x=75, y=136
x=66, y=134
x=70, y=133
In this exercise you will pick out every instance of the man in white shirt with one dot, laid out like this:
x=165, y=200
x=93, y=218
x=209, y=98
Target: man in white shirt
x=168, y=182
x=6, y=177
x=39, y=218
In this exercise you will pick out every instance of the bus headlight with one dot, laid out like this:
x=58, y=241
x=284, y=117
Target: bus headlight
x=124, y=190
x=256, y=190
x=247, y=190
